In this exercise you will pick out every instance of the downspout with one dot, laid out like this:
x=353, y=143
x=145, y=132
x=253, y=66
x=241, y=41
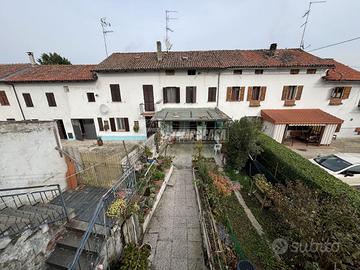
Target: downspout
x=218, y=90
x=17, y=99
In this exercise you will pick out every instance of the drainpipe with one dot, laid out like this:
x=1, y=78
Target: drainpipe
x=218, y=90
x=17, y=99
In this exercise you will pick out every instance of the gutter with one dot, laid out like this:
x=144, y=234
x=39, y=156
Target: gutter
x=17, y=99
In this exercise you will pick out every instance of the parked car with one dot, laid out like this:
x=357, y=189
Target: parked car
x=344, y=166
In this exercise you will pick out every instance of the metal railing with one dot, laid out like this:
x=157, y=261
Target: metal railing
x=100, y=224
x=147, y=107
x=15, y=198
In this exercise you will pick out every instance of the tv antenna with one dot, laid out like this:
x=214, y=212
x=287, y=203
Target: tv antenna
x=306, y=16
x=105, y=30
x=168, y=44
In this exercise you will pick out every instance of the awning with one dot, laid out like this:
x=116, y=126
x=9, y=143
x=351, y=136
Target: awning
x=300, y=117
x=190, y=114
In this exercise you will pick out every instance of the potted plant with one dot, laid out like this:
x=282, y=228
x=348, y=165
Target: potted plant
x=136, y=126
x=99, y=141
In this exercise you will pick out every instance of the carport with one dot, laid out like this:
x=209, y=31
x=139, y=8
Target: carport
x=310, y=126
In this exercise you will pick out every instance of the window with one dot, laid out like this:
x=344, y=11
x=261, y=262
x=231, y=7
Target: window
x=337, y=92
x=3, y=99
x=332, y=163
x=28, y=100
x=90, y=97
x=212, y=94
x=10, y=119
x=294, y=71
x=51, y=99
x=311, y=71
x=291, y=93
x=353, y=170
x=259, y=71
x=175, y=125
x=101, y=125
x=255, y=93
x=119, y=124
x=235, y=93
x=238, y=71
x=170, y=72
x=191, y=94
x=171, y=95
x=192, y=72
x=115, y=92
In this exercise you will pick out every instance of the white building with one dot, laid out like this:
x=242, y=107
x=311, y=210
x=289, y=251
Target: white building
x=126, y=89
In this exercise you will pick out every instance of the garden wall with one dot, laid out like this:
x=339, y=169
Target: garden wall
x=287, y=165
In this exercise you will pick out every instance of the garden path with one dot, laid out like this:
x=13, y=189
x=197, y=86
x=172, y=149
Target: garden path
x=174, y=231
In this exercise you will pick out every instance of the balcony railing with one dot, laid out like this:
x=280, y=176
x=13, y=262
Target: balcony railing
x=147, y=107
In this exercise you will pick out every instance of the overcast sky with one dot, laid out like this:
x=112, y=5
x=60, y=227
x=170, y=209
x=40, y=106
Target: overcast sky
x=72, y=28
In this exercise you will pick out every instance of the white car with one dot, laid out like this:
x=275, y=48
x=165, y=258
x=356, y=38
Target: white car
x=344, y=166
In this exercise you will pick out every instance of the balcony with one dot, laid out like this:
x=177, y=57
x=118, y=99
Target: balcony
x=147, y=109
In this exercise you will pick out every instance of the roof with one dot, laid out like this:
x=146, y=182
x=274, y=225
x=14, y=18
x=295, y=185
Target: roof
x=299, y=116
x=190, y=114
x=54, y=73
x=353, y=158
x=8, y=69
x=341, y=72
x=214, y=59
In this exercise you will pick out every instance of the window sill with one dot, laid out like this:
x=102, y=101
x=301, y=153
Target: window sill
x=335, y=101
x=254, y=103
x=289, y=103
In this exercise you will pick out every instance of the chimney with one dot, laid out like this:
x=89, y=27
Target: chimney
x=31, y=58
x=158, y=51
x=273, y=47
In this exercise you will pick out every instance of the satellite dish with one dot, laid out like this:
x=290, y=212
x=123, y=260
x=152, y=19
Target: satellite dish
x=104, y=109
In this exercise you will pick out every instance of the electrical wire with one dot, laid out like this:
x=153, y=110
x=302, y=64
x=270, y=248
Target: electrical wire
x=334, y=44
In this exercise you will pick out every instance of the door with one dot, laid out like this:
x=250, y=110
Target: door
x=151, y=126
x=148, y=98
x=61, y=129
x=89, y=130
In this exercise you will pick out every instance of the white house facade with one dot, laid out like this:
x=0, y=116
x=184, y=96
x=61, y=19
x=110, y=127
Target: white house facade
x=116, y=99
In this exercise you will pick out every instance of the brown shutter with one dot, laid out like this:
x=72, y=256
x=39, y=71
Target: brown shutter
x=126, y=120
x=242, y=93
x=101, y=125
x=212, y=94
x=262, y=93
x=164, y=95
x=285, y=92
x=346, y=92
x=115, y=92
x=3, y=98
x=194, y=94
x=188, y=94
x=112, y=124
x=228, y=93
x=249, y=94
x=177, y=94
x=299, y=92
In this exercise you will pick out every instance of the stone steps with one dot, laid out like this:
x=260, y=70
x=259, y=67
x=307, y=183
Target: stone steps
x=62, y=257
x=72, y=239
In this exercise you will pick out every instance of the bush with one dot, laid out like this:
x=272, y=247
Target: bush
x=290, y=166
x=243, y=141
x=135, y=258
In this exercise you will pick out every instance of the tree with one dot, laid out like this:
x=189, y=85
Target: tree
x=53, y=59
x=243, y=140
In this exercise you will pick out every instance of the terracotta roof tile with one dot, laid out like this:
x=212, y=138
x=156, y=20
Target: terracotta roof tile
x=8, y=69
x=299, y=116
x=53, y=73
x=341, y=72
x=211, y=60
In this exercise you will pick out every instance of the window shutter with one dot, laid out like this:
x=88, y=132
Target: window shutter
x=228, y=93
x=101, y=125
x=177, y=94
x=164, y=95
x=262, y=93
x=194, y=94
x=3, y=98
x=188, y=94
x=285, y=92
x=242, y=93
x=112, y=124
x=249, y=94
x=115, y=92
x=126, y=121
x=346, y=93
x=299, y=92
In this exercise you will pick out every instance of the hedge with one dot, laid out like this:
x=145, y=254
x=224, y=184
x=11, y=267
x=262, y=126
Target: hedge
x=292, y=166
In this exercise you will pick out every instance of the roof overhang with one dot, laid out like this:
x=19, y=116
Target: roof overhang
x=300, y=117
x=190, y=114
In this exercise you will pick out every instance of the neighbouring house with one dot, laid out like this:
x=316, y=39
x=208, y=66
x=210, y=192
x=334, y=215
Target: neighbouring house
x=126, y=95
x=28, y=155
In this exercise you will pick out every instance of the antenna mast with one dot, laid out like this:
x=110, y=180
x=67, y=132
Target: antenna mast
x=306, y=15
x=168, y=45
x=104, y=26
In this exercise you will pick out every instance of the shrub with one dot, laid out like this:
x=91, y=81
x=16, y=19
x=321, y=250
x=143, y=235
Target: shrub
x=242, y=142
x=291, y=166
x=135, y=258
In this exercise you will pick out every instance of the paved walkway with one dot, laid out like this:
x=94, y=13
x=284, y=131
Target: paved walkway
x=174, y=231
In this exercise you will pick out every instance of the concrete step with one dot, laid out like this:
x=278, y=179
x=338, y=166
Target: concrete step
x=70, y=211
x=79, y=225
x=36, y=218
x=45, y=212
x=61, y=258
x=72, y=239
